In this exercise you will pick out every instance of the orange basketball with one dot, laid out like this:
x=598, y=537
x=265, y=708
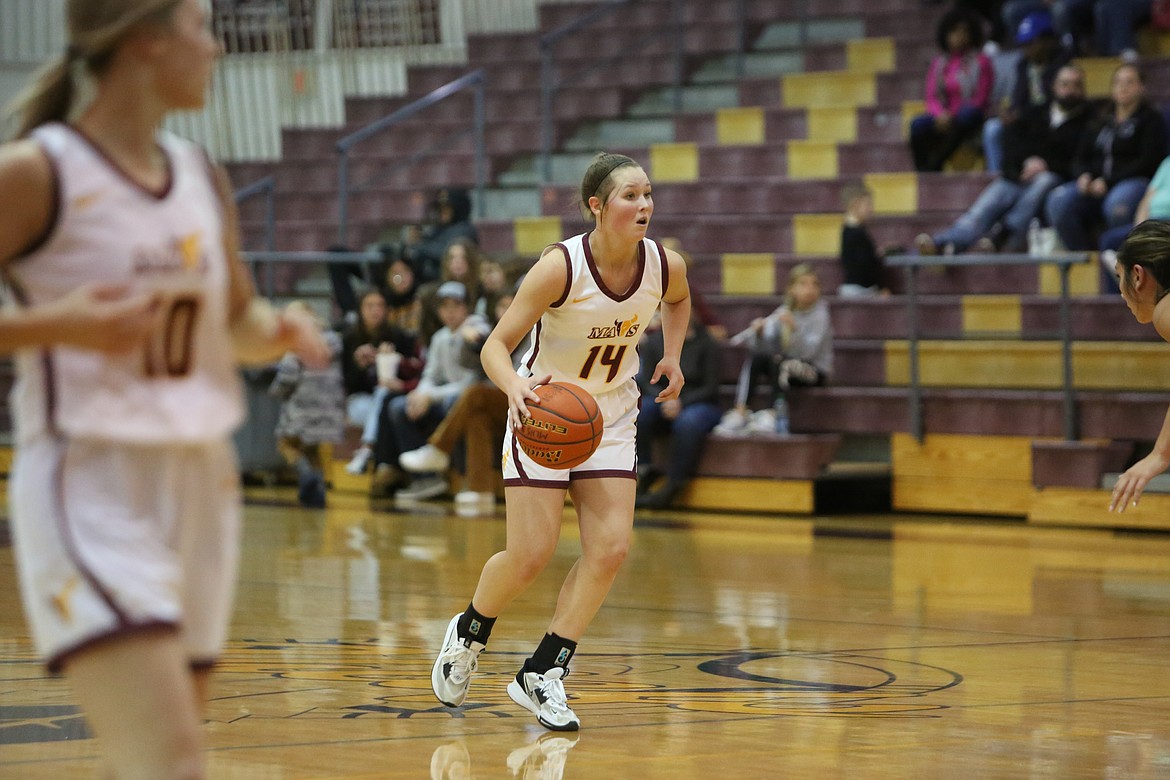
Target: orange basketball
x=564, y=429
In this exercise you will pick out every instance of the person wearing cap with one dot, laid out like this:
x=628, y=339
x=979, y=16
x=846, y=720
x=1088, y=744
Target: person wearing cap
x=414, y=416
x=1039, y=152
x=450, y=212
x=1035, y=71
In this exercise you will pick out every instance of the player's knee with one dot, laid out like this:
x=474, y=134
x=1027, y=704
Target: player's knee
x=528, y=564
x=611, y=555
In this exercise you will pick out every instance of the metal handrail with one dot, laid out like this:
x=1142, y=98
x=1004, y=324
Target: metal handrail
x=270, y=257
x=1064, y=261
x=267, y=187
x=476, y=80
x=549, y=84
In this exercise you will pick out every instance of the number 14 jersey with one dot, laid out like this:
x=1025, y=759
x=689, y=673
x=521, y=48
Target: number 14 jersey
x=590, y=335
x=181, y=386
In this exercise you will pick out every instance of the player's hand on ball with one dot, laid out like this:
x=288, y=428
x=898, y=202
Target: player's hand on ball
x=519, y=395
x=106, y=318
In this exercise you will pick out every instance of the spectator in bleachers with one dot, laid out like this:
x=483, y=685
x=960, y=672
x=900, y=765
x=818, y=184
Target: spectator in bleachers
x=686, y=420
x=414, y=416
x=1107, y=28
x=476, y=421
x=861, y=260
x=792, y=346
x=1155, y=204
x=460, y=263
x=1117, y=157
x=1039, y=152
x=958, y=92
x=368, y=346
x=449, y=218
x=400, y=290
x=1143, y=273
x=1035, y=72
x=312, y=413
x=493, y=283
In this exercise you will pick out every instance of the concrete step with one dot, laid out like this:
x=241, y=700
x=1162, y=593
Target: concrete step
x=596, y=136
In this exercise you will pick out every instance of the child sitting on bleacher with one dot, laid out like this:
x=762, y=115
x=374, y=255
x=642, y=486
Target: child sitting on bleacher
x=791, y=346
x=861, y=260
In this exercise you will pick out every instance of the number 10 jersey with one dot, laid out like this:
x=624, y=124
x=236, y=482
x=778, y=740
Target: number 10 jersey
x=181, y=386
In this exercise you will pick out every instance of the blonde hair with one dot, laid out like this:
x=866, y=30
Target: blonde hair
x=853, y=192
x=96, y=30
x=798, y=270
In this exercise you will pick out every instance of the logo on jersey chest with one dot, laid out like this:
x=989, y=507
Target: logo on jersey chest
x=620, y=329
x=185, y=253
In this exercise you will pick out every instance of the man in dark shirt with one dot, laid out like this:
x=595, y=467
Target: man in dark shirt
x=1039, y=149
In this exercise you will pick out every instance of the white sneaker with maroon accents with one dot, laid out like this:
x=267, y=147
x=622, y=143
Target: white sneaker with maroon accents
x=544, y=696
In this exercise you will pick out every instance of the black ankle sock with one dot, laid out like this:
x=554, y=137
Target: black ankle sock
x=475, y=626
x=552, y=651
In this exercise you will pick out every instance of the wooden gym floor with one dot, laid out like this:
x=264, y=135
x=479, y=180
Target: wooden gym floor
x=730, y=647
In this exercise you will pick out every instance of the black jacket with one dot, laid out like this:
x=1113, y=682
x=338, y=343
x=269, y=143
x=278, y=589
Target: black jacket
x=1033, y=136
x=1114, y=152
x=699, y=363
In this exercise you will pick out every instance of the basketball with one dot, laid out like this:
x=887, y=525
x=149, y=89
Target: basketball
x=564, y=429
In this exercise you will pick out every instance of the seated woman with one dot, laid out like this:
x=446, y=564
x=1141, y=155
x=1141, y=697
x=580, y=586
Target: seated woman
x=363, y=343
x=958, y=92
x=1117, y=157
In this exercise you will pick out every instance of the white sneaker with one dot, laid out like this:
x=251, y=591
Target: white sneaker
x=763, y=421
x=422, y=489
x=427, y=458
x=543, y=759
x=360, y=460
x=468, y=503
x=457, y=661
x=544, y=696
x=733, y=422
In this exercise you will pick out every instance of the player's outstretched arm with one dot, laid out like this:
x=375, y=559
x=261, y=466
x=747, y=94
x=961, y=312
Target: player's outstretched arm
x=1128, y=490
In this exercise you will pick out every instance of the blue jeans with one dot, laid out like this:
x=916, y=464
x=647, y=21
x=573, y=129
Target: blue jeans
x=1015, y=205
x=1117, y=22
x=993, y=144
x=1075, y=215
x=365, y=409
x=688, y=431
x=411, y=434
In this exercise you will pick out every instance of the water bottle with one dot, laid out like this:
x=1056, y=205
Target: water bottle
x=1034, y=237
x=781, y=409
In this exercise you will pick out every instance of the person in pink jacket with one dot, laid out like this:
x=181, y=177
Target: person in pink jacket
x=958, y=92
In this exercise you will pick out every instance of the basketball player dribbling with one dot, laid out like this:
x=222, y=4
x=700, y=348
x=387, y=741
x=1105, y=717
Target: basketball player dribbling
x=587, y=301
x=126, y=309
x=1143, y=274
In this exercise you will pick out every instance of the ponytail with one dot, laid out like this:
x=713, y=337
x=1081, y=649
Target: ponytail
x=49, y=98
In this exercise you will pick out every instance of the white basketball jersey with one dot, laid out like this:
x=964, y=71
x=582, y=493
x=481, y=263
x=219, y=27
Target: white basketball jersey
x=590, y=335
x=182, y=387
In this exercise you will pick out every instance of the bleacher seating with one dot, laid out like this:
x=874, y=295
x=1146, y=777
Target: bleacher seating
x=750, y=185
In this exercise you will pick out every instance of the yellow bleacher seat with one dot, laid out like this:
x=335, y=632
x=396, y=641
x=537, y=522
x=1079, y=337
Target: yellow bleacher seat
x=812, y=160
x=893, y=193
x=829, y=88
x=740, y=126
x=532, y=234
x=816, y=234
x=748, y=273
x=872, y=55
x=674, y=162
x=832, y=123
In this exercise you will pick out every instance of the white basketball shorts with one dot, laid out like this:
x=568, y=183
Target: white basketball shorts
x=616, y=456
x=112, y=538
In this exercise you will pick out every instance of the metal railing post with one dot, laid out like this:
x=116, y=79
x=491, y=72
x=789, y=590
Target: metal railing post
x=479, y=121
x=343, y=196
x=1070, y=412
x=917, y=425
x=740, y=38
x=678, y=31
x=547, y=88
